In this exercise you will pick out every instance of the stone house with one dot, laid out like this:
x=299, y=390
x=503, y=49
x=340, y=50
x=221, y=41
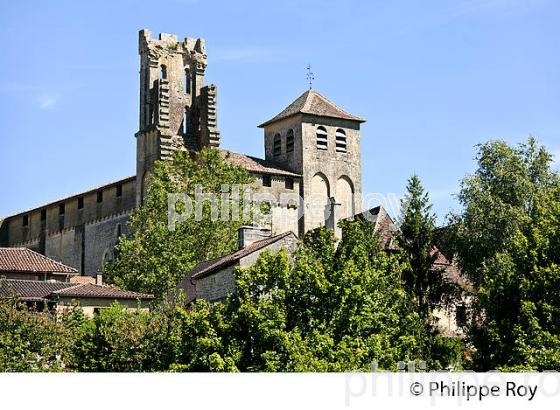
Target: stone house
x=450, y=320
x=214, y=279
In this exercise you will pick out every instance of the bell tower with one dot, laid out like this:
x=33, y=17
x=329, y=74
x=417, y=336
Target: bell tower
x=177, y=111
x=317, y=139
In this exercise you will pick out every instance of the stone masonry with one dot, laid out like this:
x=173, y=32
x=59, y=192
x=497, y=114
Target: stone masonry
x=312, y=150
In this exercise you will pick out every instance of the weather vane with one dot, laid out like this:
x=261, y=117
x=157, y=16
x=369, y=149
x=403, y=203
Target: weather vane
x=310, y=76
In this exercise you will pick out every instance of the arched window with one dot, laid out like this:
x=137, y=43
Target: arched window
x=322, y=138
x=340, y=141
x=163, y=72
x=277, y=145
x=290, y=141
x=187, y=82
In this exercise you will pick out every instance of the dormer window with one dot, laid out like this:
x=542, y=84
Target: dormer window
x=290, y=141
x=340, y=141
x=322, y=138
x=277, y=145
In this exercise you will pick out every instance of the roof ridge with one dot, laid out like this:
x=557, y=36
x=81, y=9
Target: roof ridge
x=45, y=257
x=238, y=254
x=74, y=286
x=304, y=104
x=325, y=99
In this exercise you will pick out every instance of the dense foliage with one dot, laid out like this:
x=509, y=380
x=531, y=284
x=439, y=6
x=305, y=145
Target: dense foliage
x=508, y=241
x=416, y=242
x=153, y=258
x=336, y=308
x=332, y=306
x=31, y=342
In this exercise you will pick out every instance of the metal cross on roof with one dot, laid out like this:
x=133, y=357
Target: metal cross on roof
x=310, y=76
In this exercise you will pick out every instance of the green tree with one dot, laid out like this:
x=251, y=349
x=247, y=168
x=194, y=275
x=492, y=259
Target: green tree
x=153, y=258
x=507, y=240
x=31, y=342
x=125, y=340
x=334, y=308
x=430, y=287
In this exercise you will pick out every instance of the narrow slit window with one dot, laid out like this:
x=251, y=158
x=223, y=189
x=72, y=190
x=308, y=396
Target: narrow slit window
x=25, y=220
x=290, y=141
x=43, y=215
x=322, y=138
x=81, y=202
x=119, y=190
x=187, y=82
x=277, y=145
x=99, y=196
x=163, y=72
x=340, y=141
x=185, y=124
x=61, y=209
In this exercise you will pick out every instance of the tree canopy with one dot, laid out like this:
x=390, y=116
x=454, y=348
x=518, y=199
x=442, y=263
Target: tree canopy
x=153, y=257
x=507, y=239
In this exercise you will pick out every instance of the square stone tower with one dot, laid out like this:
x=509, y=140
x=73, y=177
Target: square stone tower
x=176, y=110
x=315, y=138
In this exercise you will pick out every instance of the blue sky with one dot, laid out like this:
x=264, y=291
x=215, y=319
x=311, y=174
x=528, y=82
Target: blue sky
x=432, y=78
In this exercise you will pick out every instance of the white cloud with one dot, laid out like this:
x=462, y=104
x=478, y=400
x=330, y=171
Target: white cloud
x=47, y=102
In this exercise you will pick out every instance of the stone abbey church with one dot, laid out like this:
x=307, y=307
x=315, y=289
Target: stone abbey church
x=312, y=149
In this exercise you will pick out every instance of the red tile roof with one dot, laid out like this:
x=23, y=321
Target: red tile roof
x=82, y=279
x=256, y=165
x=205, y=268
x=26, y=260
x=29, y=290
x=311, y=102
x=84, y=290
x=34, y=290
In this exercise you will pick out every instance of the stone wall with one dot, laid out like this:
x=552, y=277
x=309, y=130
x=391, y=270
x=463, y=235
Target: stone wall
x=217, y=285
x=82, y=234
x=221, y=283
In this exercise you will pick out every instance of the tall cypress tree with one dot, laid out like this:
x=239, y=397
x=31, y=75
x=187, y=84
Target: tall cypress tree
x=416, y=242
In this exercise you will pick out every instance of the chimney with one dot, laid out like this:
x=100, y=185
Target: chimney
x=247, y=234
x=99, y=279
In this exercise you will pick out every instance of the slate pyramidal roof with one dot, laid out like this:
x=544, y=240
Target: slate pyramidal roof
x=311, y=102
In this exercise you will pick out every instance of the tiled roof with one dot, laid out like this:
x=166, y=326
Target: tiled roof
x=34, y=290
x=209, y=266
x=383, y=225
x=82, y=279
x=388, y=231
x=26, y=260
x=99, y=291
x=256, y=165
x=311, y=102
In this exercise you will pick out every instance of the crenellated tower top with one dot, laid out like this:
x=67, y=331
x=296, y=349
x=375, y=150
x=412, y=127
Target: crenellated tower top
x=177, y=111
